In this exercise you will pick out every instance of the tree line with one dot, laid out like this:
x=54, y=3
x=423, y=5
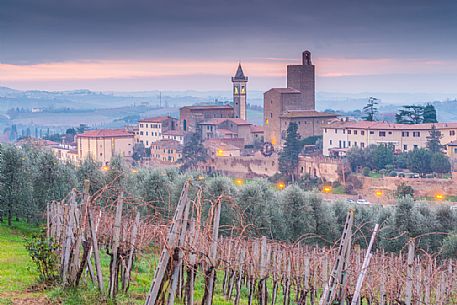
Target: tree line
x=30, y=177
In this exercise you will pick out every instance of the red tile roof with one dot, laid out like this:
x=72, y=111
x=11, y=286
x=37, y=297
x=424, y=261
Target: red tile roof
x=158, y=119
x=207, y=107
x=167, y=144
x=217, y=121
x=105, y=133
x=225, y=131
x=257, y=129
x=387, y=126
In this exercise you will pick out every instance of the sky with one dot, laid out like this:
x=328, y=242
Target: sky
x=131, y=45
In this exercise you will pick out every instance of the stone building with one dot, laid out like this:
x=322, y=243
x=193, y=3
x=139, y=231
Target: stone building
x=103, y=144
x=190, y=116
x=227, y=128
x=296, y=103
x=239, y=94
x=167, y=151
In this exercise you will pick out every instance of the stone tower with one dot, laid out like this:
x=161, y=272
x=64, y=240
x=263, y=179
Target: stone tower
x=239, y=93
x=301, y=78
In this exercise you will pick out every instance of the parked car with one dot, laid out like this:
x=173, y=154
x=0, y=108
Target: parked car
x=351, y=201
x=363, y=201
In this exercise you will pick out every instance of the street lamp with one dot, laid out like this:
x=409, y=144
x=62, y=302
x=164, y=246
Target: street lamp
x=105, y=168
x=439, y=196
x=239, y=181
x=378, y=193
x=327, y=189
x=280, y=185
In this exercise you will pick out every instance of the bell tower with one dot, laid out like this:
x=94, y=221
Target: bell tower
x=239, y=93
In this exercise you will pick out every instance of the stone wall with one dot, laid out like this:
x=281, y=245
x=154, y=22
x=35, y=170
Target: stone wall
x=422, y=186
x=320, y=167
x=243, y=166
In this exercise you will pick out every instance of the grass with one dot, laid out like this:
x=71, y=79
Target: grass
x=18, y=275
x=16, y=268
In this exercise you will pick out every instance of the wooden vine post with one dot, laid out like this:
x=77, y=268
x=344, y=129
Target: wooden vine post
x=337, y=281
x=161, y=275
x=363, y=272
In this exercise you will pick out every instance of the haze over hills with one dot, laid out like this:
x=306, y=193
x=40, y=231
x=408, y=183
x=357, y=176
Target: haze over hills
x=63, y=109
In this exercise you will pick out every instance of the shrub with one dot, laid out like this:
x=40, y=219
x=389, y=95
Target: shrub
x=43, y=252
x=404, y=190
x=366, y=171
x=393, y=174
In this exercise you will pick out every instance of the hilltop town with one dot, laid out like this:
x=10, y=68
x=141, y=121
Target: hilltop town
x=233, y=146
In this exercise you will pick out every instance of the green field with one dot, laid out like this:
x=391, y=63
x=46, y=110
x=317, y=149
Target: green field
x=19, y=279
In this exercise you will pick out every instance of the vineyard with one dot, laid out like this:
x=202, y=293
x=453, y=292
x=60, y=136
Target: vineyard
x=192, y=245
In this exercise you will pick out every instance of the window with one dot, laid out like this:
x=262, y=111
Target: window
x=390, y=132
x=452, y=133
x=362, y=144
x=147, y=133
x=355, y=144
x=349, y=143
x=382, y=133
x=362, y=132
x=325, y=130
x=146, y=125
x=405, y=133
x=340, y=144
x=344, y=144
x=344, y=131
x=371, y=132
x=355, y=131
x=271, y=114
x=415, y=146
x=416, y=134
x=336, y=130
x=405, y=147
x=330, y=142
x=455, y=150
x=349, y=131
x=141, y=133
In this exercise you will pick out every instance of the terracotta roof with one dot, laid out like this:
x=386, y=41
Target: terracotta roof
x=285, y=90
x=37, y=142
x=105, y=133
x=217, y=121
x=257, y=129
x=307, y=114
x=224, y=131
x=237, y=142
x=387, y=126
x=158, y=119
x=168, y=144
x=219, y=144
x=173, y=132
x=207, y=107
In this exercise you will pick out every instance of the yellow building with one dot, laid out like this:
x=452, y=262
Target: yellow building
x=103, y=144
x=341, y=136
